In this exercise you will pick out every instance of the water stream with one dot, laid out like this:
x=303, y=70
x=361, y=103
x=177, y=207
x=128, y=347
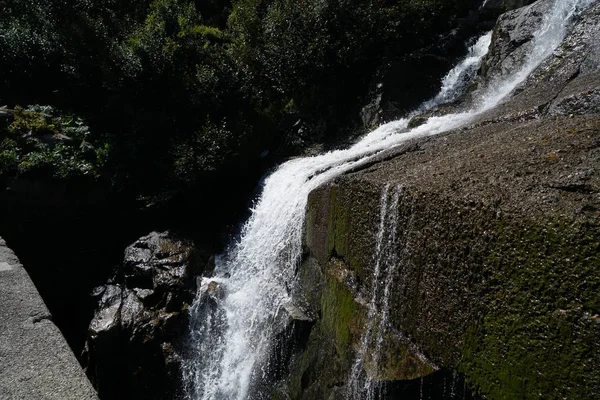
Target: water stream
x=238, y=309
x=385, y=264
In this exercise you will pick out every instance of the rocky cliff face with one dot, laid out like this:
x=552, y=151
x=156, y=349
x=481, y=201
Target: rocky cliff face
x=136, y=338
x=496, y=264
x=393, y=94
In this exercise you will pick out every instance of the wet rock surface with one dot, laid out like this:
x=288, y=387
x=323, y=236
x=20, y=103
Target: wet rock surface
x=136, y=337
x=499, y=260
x=565, y=83
x=569, y=75
x=392, y=94
x=498, y=227
x=511, y=41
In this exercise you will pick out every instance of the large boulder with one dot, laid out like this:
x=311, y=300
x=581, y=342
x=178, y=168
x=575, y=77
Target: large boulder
x=494, y=268
x=511, y=42
x=496, y=265
x=137, y=336
x=565, y=83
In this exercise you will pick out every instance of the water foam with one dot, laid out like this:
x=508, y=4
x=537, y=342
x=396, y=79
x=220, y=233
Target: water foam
x=237, y=311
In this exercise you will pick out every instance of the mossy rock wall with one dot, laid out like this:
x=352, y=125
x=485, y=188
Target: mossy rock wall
x=498, y=266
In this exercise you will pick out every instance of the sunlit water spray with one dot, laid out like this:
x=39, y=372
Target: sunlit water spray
x=239, y=309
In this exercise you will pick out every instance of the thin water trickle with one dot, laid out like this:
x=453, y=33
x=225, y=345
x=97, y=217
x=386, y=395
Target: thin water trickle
x=453, y=386
x=360, y=384
x=240, y=309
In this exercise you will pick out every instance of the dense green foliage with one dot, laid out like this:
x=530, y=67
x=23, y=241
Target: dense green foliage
x=178, y=93
x=36, y=142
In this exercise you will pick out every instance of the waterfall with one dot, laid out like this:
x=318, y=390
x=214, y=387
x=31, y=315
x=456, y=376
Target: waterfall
x=456, y=81
x=241, y=308
x=385, y=262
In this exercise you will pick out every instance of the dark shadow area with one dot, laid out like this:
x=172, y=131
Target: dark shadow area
x=71, y=235
x=441, y=385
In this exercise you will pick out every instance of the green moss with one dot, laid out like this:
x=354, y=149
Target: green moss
x=305, y=369
x=352, y=217
x=396, y=361
x=340, y=314
x=511, y=301
x=539, y=337
x=337, y=235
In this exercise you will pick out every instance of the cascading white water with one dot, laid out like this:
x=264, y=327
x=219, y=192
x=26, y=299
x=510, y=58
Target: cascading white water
x=237, y=311
x=385, y=262
x=456, y=81
x=546, y=39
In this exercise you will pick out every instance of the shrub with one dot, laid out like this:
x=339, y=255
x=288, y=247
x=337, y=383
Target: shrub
x=40, y=141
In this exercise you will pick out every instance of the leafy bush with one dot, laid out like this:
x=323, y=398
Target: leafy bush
x=38, y=140
x=178, y=92
x=322, y=53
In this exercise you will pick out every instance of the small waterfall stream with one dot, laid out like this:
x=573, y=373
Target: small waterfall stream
x=241, y=307
x=386, y=260
x=456, y=81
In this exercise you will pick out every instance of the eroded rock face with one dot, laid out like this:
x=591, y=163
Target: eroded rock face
x=564, y=83
x=392, y=94
x=497, y=252
x=136, y=336
x=511, y=41
x=497, y=262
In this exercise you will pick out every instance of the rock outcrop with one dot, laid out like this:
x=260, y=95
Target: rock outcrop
x=496, y=242
x=392, y=94
x=136, y=337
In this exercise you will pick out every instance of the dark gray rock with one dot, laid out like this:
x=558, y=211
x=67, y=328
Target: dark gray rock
x=511, y=40
x=136, y=337
x=577, y=103
x=564, y=83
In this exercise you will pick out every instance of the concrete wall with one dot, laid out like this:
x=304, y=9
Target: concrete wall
x=35, y=360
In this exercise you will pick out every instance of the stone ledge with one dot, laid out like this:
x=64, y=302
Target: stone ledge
x=35, y=360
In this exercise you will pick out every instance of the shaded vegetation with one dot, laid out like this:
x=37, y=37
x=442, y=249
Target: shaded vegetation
x=123, y=117
x=180, y=93
x=39, y=143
